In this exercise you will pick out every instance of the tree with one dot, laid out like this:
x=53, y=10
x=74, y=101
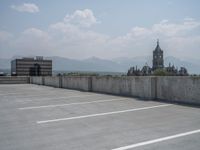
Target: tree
x=160, y=72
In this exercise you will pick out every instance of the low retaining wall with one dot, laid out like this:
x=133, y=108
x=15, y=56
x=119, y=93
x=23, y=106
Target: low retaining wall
x=37, y=80
x=52, y=81
x=128, y=86
x=14, y=80
x=79, y=83
x=176, y=89
x=179, y=89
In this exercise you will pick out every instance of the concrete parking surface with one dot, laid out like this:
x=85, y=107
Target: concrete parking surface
x=34, y=117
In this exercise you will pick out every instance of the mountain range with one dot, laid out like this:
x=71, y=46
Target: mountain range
x=121, y=64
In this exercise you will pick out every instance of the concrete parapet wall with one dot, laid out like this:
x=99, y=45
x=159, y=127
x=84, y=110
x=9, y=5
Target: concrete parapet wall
x=52, y=81
x=128, y=86
x=14, y=80
x=37, y=80
x=77, y=82
x=175, y=89
x=179, y=89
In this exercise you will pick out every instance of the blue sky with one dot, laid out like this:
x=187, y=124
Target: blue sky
x=84, y=28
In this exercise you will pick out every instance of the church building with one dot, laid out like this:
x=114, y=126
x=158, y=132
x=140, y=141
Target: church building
x=157, y=64
x=158, y=61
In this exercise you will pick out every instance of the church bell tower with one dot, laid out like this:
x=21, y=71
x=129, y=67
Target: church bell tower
x=158, y=62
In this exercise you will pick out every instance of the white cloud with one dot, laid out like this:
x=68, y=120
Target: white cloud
x=67, y=38
x=139, y=32
x=76, y=41
x=33, y=41
x=164, y=21
x=26, y=7
x=36, y=33
x=5, y=36
x=189, y=19
x=73, y=32
x=177, y=39
x=83, y=18
x=174, y=29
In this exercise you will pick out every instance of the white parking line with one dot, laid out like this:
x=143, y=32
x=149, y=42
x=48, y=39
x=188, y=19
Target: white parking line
x=56, y=98
x=157, y=140
x=68, y=104
x=102, y=114
x=5, y=94
x=24, y=95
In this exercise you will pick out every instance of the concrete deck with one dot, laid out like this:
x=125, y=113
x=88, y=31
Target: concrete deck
x=37, y=117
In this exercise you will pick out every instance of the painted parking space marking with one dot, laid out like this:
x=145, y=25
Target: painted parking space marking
x=55, y=98
x=157, y=140
x=24, y=95
x=102, y=114
x=68, y=104
x=7, y=94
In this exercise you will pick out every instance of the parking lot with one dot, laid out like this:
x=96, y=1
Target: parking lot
x=34, y=117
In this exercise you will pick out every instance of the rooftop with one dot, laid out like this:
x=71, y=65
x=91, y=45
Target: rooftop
x=40, y=117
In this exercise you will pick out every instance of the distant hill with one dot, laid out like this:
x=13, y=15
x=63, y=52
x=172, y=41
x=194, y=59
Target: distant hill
x=96, y=64
x=90, y=64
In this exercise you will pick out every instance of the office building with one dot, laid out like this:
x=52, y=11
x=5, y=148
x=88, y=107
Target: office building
x=31, y=67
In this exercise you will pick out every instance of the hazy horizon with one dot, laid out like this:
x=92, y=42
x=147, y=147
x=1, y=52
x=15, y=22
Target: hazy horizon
x=120, y=64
